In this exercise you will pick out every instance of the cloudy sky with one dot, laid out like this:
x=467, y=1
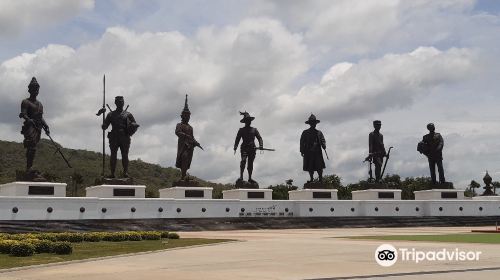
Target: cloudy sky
x=406, y=63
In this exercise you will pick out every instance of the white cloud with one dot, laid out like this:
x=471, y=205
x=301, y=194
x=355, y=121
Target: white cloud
x=356, y=27
x=17, y=16
x=349, y=91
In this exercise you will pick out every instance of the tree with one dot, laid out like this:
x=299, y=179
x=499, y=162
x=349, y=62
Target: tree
x=280, y=192
x=474, y=185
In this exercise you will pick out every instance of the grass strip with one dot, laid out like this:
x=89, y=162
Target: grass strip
x=87, y=250
x=484, y=238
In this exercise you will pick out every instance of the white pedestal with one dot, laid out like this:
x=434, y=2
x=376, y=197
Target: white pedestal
x=248, y=194
x=118, y=191
x=33, y=189
x=313, y=194
x=377, y=194
x=438, y=194
x=186, y=193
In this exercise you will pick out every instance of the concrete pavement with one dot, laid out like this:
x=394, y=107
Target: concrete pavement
x=281, y=254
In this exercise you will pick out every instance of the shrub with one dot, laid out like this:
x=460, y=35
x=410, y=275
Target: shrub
x=62, y=248
x=134, y=236
x=93, y=236
x=70, y=237
x=22, y=249
x=42, y=246
x=47, y=236
x=150, y=235
x=23, y=236
x=164, y=234
x=5, y=236
x=115, y=236
x=6, y=245
x=173, y=235
x=17, y=237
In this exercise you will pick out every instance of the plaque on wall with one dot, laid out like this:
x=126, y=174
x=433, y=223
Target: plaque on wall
x=41, y=190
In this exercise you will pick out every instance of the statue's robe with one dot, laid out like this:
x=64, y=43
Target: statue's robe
x=311, y=142
x=185, y=145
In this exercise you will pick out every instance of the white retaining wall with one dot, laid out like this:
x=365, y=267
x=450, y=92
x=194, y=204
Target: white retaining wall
x=68, y=208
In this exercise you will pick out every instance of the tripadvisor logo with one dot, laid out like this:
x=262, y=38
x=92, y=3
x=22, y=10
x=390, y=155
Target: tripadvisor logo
x=387, y=255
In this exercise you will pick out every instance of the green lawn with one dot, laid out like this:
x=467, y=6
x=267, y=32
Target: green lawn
x=488, y=238
x=87, y=250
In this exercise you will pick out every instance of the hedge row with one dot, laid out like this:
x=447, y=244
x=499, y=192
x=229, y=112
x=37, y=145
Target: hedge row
x=29, y=247
x=75, y=237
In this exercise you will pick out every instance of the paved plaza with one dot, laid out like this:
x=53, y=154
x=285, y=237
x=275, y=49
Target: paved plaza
x=280, y=254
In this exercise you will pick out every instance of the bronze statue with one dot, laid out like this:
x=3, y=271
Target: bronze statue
x=312, y=142
x=32, y=113
x=432, y=146
x=123, y=127
x=376, y=149
x=247, y=148
x=186, y=142
x=488, y=188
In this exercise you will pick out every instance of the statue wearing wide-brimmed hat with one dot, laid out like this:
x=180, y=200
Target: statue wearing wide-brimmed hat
x=186, y=142
x=312, y=142
x=247, y=148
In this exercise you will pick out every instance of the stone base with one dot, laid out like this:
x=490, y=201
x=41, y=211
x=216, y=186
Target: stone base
x=33, y=189
x=29, y=176
x=246, y=194
x=186, y=183
x=445, y=186
x=377, y=185
x=240, y=184
x=116, y=191
x=377, y=194
x=317, y=185
x=313, y=194
x=114, y=181
x=438, y=194
x=181, y=192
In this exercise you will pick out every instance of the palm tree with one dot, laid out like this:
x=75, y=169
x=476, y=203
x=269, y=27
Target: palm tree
x=496, y=185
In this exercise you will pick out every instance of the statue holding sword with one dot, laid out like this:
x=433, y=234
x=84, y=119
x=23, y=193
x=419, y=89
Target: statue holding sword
x=34, y=123
x=248, y=148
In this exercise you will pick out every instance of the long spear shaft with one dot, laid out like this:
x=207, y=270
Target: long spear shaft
x=103, y=120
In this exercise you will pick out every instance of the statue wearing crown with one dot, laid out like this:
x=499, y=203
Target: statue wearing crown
x=185, y=145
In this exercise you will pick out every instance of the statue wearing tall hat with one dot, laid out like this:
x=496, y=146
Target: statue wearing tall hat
x=123, y=126
x=247, y=149
x=312, y=142
x=32, y=113
x=185, y=143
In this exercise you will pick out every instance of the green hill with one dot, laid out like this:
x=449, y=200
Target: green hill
x=87, y=167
